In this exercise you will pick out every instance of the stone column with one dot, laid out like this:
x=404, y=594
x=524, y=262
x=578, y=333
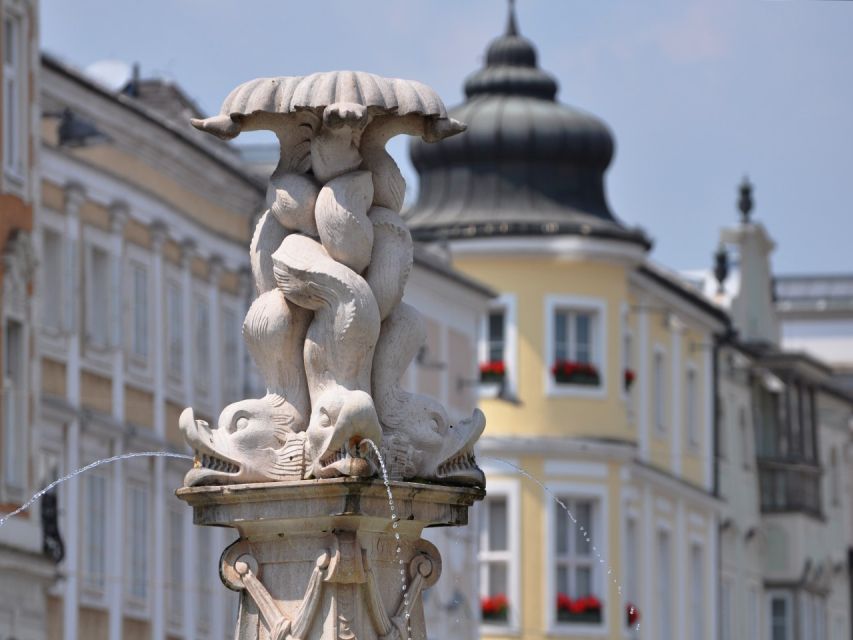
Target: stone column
x=118, y=219
x=319, y=559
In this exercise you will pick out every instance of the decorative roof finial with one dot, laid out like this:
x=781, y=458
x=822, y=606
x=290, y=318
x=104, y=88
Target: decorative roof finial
x=745, y=201
x=511, y=25
x=721, y=268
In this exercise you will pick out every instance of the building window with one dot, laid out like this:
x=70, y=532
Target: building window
x=691, y=407
x=726, y=610
x=201, y=326
x=632, y=583
x=745, y=439
x=628, y=372
x=753, y=612
x=497, y=346
x=98, y=295
x=176, y=566
x=697, y=593
x=139, y=316
x=137, y=510
x=95, y=531
x=53, y=269
x=14, y=113
x=781, y=627
x=493, y=367
x=834, y=478
x=231, y=384
x=14, y=411
x=175, y=330
x=664, y=583
x=204, y=562
x=575, y=358
x=579, y=587
x=495, y=604
x=659, y=390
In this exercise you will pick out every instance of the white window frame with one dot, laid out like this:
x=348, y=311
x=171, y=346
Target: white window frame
x=176, y=577
x=98, y=348
x=231, y=371
x=507, y=303
x=692, y=408
x=52, y=298
x=140, y=369
x=632, y=570
x=663, y=604
x=140, y=535
x=697, y=620
x=203, y=575
x=596, y=306
x=14, y=419
x=509, y=489
x=628, y=351
x=787, y=596
x=15, y=167
x=658, y=389
x=174, y=335
x=202, y=358
x=94, y=532
x=601, y=543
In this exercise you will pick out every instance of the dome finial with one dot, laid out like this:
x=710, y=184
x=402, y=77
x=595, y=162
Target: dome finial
x=745, y=201
x=511, y=24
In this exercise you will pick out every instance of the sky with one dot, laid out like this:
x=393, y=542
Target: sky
x=698, y=93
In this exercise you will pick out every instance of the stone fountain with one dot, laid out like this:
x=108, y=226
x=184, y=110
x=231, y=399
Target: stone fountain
x=296, y=472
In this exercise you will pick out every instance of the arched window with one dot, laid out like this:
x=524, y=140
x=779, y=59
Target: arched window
x=746, y=449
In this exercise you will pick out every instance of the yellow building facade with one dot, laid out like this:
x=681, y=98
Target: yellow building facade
x=596, y=375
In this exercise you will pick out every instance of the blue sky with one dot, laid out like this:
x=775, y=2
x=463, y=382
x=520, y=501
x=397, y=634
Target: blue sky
x=697, y=92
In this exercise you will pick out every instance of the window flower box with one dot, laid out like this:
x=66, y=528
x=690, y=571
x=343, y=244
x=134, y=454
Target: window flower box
x=629, y=376
x=579, y=373
x=632, y=615
x=586, y=610
x=495, y=609
x=492, y=372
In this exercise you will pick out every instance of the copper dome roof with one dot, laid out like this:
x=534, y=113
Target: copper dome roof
x=527, y=164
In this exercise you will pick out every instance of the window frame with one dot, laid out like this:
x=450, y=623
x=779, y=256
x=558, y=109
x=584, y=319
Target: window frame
x=14, y=426
x=658, y=389
x=599, y=495
x=697, y=601
x=176, y=579
x=98, y=347
x=202, y=357
x=139, y=369
x=692, y=408
x=511, y=490
x=788, y=598
x=232, y=371
x=139, y=540
x=598, y=307
x=15, y=168
x=174, y=314
x=664, y=604
x=94, y=583
x=508, y=304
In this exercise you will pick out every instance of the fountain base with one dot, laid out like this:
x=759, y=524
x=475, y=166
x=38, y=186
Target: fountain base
x=322, y=560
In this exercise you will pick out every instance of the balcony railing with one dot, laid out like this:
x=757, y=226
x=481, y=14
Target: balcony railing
x=789, y=486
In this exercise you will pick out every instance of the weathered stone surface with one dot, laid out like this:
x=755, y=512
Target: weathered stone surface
x=319, y=559
x=330, y=259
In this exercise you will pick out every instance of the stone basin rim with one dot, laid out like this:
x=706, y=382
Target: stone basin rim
x=329, y=487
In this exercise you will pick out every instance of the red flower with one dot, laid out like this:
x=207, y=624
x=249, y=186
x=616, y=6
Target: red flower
x=633, y=614
x=496, y=605
x=568, y=368
x=587, y=604
x=629, y=378
x=494, y=367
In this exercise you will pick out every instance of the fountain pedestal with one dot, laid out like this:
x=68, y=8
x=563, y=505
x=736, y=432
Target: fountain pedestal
x=319, y=559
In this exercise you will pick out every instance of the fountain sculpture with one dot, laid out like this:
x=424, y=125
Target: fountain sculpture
x=294, y=471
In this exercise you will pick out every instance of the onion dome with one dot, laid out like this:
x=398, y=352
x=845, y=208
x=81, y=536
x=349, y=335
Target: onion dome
x=527, y=165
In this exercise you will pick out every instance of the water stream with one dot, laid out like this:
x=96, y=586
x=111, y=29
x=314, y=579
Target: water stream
x=97, y=463
x=577, y=524
x=395, y=524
